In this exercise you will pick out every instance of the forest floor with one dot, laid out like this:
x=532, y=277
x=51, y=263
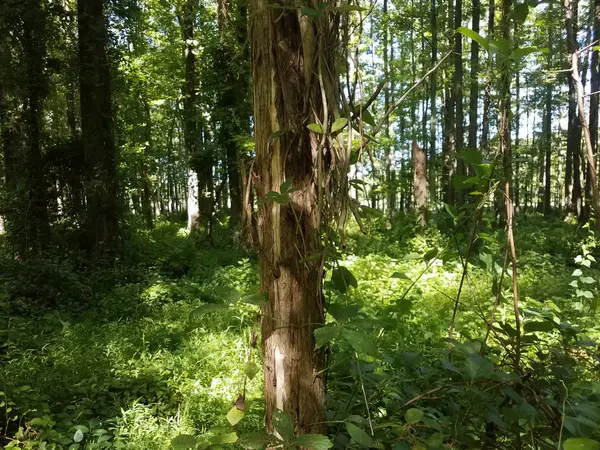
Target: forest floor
x=131, y=358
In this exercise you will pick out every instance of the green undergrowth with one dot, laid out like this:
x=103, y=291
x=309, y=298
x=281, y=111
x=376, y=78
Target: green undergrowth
x=156, y=347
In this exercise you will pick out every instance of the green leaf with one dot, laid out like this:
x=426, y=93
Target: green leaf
x=348, y=8
x=520, y=12
x=343, y=313
x=430, y=255
x=501, y=44
x=435, y=440
x=250, y=369
x=326, y=335
x=359, y=436
x=400, y=275
x=339, y=124
x=183, y=442
x=78, y=436
x=313, y=441
x=228, y=438
x=471, y=156
x=360, y=342
x=581, y=444
x=522, y=52
x=311, y=12
x=342, y=278
x=538, y=326
x=587, y=280
x=366, y=116
x=284, y=425
x=458, y=182
x=235, y=415
x=315, y=127
x=414, y=415
x=468, y=33
x=476, y=366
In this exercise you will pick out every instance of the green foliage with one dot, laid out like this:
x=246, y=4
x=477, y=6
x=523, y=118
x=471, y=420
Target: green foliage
x=158, y=357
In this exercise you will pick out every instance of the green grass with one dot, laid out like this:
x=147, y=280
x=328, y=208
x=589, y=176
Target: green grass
x=123, y=358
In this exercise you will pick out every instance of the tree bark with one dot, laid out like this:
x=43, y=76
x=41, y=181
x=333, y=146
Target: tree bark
x=420, y=183
x=294, y=77
x=594, y=102
x=474, y=89
x=573, y=201
x=102, y=221
x=547, y=130
x=191, y=127
x=37, y=227
x=487, y=93
x=433, y=102
x=458, y=98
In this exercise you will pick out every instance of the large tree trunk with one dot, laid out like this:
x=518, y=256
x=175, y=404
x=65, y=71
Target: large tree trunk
x=102, y=220
x=37, y=227
x=294, y=85
x=233, y=103
x=572, y=177
x=191, y=127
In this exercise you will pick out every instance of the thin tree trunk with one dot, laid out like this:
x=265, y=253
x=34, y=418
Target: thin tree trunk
x=458, y=98
x=573, y=201
x=487, y=94
x=594, y=101
x=433, y=102
x=516, y=175
x=420, y=183
x=547, y=129
x=474, y=89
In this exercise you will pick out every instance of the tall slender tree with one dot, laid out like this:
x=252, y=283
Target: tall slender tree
x=102, y=221
x=594, y=103
x=474, y=85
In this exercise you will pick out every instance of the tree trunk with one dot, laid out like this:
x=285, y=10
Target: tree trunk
x=474, y=89
x=294, y=85
x=547, y=130
x=191, y=128
x=572, y=175
x=449, y=138
x=433, y=102
x=594, y=101
x=102, y=220
x=37, y=227
x=458, y=99
x=487, y=93
x=233, y=102
x=516, y=179
x=390, y=189
x=420, y=183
